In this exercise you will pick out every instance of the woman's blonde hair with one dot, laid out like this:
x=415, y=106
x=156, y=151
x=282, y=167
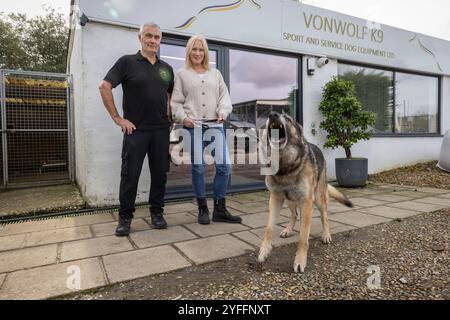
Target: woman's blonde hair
x=189, y=48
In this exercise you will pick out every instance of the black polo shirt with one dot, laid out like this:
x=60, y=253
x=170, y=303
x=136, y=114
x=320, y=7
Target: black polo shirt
x=145, y=88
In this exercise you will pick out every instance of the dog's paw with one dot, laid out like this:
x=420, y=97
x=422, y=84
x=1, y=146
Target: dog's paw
x=326, y=238
x=300, y=264
x=286, y=233
x=264, y=253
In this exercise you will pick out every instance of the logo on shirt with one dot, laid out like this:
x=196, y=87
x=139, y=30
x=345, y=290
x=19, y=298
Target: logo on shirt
x=165, y=74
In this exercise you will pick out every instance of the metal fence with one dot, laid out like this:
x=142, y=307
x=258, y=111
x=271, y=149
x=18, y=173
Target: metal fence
x=36, y=132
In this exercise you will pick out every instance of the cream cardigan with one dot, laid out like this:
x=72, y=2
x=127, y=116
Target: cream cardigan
x=199, y=98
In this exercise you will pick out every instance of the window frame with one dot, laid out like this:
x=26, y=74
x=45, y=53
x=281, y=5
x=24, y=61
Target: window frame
x=223, y=59
x=393, y=134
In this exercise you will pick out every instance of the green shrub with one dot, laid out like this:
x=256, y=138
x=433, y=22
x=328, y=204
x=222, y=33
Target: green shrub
x=345, y=121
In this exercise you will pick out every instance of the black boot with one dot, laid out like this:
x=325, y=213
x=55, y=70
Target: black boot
x=157, y=218
x=123, y=228
x=221, y=213
x=203, y=212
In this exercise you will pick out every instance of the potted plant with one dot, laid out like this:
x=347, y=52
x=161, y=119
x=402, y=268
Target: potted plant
x=346, y=123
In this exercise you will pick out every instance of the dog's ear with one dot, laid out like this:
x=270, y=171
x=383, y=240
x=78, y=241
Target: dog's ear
x=287, y=116
x=299, y=128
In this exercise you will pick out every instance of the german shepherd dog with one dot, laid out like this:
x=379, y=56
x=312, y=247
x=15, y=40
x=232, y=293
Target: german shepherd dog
x=301, y=181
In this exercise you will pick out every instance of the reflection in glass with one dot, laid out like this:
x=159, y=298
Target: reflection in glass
x=179, y=180
x=374, y=88
x=259, y=83
x=416, y=109
x=175, y=56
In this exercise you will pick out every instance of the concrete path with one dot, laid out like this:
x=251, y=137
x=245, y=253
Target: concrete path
x=43, y=259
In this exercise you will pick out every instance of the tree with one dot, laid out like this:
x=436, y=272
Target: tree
x=34, y=44
x=345, y=120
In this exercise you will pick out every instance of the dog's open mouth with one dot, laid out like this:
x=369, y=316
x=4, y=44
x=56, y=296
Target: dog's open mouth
x=277, y=133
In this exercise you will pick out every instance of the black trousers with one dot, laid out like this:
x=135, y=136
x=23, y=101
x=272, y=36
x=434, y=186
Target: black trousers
x=155, y=144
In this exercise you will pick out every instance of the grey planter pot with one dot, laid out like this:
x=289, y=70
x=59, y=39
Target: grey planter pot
x=352, y=173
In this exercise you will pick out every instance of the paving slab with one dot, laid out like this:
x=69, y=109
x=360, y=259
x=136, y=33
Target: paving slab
x=335, y=207
x=51, y=281
x=316, y=226
x=412, y=194
x=342, y=228
x=390, y=197
x=180, y=207
x=29, y=226
x=367, y=191
x=27, y=258
x=2, y=279
x=392, y=186
x=247, y=198
x=432, y=190
x=366, y=202
x=416, y=206
x=287, y=213
x=215, y=228
x=250, y=238
x=389, y=212
x=142, y=263
x=94, y=247
x=84, y=220
x=446, y=195
x=251, y=207
x=357, y=219
x=214, y=248
x=57, y=236
x=153, y=238
x=177, y=219
x=435, y=200
x=277, y=241
x=258, y=220
x=12, y=242
x=109, y=229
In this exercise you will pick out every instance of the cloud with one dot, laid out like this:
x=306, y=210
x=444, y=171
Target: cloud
x=263, y=70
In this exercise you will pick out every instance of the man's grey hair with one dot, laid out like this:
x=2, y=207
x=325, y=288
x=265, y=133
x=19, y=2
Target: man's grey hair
x=149, y=25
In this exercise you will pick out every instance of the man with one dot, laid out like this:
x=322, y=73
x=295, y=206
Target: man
x=147, y=83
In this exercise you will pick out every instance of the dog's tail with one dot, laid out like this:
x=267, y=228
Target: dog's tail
x=339, y=196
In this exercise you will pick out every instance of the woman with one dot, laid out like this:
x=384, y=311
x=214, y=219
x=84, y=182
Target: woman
x=201, y=102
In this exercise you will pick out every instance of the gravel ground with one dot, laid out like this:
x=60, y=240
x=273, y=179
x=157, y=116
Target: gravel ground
x=420, y=175
x=412, y=256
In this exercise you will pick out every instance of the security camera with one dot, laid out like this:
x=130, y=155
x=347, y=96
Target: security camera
x=322, y=62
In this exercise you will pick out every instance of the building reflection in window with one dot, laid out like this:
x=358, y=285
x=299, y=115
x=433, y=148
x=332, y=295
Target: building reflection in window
x=259, y=83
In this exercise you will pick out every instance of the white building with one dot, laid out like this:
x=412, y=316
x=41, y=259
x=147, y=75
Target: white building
x=266, y=50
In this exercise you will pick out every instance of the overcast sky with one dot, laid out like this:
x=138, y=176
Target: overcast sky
x=429, y=17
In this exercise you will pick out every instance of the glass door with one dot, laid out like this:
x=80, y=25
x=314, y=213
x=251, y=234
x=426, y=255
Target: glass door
x=259, y=83
x=179, y=180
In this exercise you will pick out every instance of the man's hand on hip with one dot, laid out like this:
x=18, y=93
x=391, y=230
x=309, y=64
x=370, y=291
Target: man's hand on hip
x=127, y=126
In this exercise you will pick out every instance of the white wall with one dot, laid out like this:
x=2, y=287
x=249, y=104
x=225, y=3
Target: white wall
x=98, y=139
x=383, y=153
x=77, y=71
x=445, y=110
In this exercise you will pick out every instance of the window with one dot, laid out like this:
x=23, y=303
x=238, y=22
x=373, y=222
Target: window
x=416, y=99
x=374, y=88
x=259, y=83
x=175, y=56
x=417, y=105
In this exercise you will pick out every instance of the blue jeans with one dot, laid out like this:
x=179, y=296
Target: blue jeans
x=221, y=160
